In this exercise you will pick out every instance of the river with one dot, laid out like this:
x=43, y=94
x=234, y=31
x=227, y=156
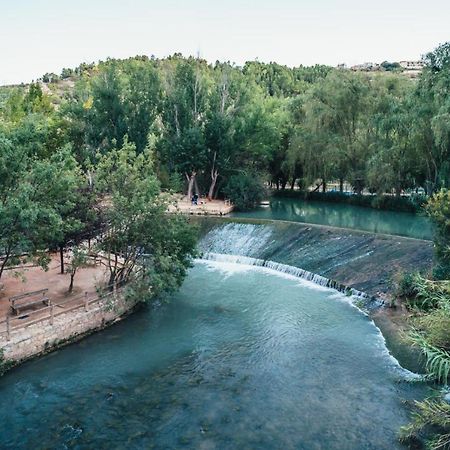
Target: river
x=343, y=216
x=242, y=357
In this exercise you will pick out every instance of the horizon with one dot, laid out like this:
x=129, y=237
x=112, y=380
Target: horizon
x=47, y=36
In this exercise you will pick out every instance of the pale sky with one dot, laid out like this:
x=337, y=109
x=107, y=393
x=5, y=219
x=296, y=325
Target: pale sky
x=38, y=36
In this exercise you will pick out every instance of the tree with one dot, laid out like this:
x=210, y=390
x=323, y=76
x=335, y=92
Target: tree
x=33, y=196
x=394, y=163
x=245, y=190
x=438, y=208
x=108, y=109
x=141, y=240
x=185, y=107
x=78, y=260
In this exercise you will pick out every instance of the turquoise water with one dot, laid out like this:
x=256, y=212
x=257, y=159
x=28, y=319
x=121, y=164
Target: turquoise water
x=344, y=216
x=241, y=358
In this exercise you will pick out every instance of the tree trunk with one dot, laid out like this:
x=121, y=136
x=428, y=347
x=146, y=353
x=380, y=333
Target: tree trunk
x=214, y=176
x=72, y=276
x=324, y=186
x=61, y=258
x=294, y=179
x=341, y=185
x=196, y=189
x=112, y=271
x=2, y=267
x=191, y=180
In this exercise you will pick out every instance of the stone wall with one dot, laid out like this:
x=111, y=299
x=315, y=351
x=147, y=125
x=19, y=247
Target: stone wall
x=29, y=341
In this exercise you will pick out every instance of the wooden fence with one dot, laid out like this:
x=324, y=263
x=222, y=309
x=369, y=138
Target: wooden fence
x=12, y=324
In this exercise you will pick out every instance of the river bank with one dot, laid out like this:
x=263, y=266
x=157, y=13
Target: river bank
x=69, y=316
x=406, y=203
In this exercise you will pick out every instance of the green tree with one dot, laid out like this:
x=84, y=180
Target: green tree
x=79, y=259
x=33, y=196
x=142, y=241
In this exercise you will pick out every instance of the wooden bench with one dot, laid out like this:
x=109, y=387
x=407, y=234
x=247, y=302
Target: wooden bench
x=24, y=301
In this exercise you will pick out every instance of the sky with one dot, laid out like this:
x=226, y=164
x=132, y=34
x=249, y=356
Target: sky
x=39, y=36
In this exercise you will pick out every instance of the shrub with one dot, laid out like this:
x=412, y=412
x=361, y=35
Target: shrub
x=405, y=285
x=421, y=293
x=435, y=326
x=438, y=208
x=432, y=417
x=245, y=191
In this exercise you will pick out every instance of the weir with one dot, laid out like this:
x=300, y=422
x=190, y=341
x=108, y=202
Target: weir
x=359, y=264
x=344, y=259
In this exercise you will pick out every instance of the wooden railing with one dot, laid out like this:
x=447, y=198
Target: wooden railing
x=12, y=324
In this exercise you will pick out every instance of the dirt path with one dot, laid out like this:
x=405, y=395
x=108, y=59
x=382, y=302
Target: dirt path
x=34, y=278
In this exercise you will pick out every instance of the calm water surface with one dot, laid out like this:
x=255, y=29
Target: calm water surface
x=241, y=358
x=344, y=216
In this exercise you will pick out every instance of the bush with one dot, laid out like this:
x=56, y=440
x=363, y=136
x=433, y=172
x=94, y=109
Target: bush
x=405, y=285
x=436, y=327
x=421, y=293
x=438, y=208
x=245, y=191
x=432, y=419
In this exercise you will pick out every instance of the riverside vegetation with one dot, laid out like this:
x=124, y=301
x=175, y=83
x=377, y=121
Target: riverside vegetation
x=427, y=296
x=218, y=127
x=92, y=153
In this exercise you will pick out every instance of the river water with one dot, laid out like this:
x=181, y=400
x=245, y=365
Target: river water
x=242, y=357
x=344, y=216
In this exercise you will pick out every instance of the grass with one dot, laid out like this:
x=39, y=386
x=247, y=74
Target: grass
x=432, y=418
x=429, y=300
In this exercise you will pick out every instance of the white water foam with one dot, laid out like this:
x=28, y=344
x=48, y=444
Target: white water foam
x=230, y=265
x=238, y=238
x=233, y=264
x=296, y=272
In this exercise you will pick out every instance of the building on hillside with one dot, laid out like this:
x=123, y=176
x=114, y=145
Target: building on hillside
x=366, y=67
x=412, y=65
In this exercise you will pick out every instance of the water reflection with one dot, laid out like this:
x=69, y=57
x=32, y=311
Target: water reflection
x=344, y=216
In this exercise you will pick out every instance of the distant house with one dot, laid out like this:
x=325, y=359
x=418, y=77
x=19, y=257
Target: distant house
x=366, y=67
x=412, y=65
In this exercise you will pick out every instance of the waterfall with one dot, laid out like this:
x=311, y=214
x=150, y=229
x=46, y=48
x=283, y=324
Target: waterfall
x=360, y=299
x=238, y=239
